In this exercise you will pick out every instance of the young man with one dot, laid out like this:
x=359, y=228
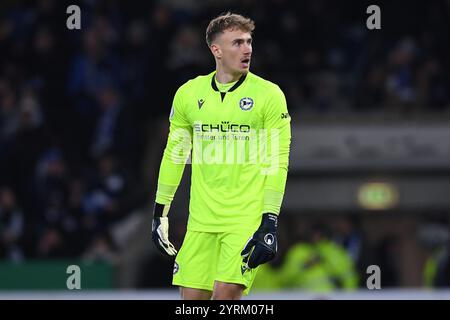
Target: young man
x=238, y=128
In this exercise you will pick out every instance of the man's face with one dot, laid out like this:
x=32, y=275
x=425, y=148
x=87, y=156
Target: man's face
x=233, y=48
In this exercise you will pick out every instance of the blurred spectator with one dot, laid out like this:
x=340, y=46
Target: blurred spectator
x=319, y=264
x=80, y=234
x=387, y=254
x=51, y=176
x=438, y=267
x=187, y=54
x=433, y=84
x=51, y=230
x=435, y=237
x=94, y=66
x=26, y=146
x=349, y=235
x=160, y=87
x=11, y=227
x=108, y=200
x=115, y=128
x=267, y=278
x=9, y=124
x=137, y=67
x=89, y=71
x=400, y=86
x=9, y=113
x=106, y=187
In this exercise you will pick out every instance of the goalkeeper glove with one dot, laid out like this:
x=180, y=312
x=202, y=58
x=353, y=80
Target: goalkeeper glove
x=262, y=246
x=160, y=230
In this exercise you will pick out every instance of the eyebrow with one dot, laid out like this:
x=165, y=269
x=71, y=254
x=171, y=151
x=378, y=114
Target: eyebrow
x=241, y=39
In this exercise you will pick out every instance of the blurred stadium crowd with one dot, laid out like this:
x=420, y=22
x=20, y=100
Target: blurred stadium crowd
x=83, y=113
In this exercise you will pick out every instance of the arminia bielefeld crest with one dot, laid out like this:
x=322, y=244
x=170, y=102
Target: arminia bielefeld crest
x=246, y=104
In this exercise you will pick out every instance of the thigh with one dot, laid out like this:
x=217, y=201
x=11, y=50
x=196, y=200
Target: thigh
x=195, y=294
x=196, y=262
x=227, y=291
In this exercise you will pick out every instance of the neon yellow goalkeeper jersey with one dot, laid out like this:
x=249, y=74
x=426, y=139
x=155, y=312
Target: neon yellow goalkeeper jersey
x=238, y=143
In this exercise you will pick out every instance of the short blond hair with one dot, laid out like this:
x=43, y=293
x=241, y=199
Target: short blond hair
x=228, y=21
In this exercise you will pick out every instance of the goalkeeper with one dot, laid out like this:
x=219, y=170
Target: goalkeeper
x=236, y=127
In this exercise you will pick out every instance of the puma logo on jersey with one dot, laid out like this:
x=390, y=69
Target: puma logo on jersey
x=200, y=103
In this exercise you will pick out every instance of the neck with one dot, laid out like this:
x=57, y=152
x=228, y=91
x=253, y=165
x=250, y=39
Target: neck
x=224, y=76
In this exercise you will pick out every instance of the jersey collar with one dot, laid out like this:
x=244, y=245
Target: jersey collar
x=236, y=85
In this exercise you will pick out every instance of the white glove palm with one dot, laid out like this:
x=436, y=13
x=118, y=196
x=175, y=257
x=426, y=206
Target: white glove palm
x=160, y=236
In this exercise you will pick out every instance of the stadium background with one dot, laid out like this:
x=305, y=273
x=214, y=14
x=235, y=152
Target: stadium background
x=84, y=117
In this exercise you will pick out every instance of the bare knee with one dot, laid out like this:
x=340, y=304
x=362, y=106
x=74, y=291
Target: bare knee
x=227, y=291
x=195, y=294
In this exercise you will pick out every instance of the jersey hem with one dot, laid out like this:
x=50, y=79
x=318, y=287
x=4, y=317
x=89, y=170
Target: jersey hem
x=221, y=230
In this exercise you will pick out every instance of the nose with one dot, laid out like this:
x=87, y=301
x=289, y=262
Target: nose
x=248, y=48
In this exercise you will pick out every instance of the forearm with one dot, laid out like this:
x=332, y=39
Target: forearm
x=275, y=182
x=172, y=166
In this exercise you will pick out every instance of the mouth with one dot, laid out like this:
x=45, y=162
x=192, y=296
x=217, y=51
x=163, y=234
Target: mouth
x=245, y=62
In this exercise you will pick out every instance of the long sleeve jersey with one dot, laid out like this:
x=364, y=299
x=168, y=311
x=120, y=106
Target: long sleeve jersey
x=238, y=143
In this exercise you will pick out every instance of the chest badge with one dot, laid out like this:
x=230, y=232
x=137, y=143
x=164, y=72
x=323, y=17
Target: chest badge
x=246, y=104
x=200, y=103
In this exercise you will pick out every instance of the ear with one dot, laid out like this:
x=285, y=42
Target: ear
x=215, y=50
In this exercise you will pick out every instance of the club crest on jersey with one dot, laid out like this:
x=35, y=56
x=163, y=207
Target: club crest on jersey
x=246, y=104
